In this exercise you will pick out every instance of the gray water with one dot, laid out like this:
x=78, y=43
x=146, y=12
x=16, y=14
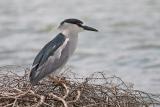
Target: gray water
x=128, y=44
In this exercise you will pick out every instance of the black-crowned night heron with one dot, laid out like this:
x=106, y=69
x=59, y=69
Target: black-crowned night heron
x=56, y=53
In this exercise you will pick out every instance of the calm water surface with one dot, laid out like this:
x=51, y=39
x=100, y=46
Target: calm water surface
x=128, y=44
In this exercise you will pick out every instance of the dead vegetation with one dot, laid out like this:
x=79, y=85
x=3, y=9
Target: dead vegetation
x=94, y=91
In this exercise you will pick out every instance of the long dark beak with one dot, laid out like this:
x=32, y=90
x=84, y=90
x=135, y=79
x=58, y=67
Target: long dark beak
x=89, y=28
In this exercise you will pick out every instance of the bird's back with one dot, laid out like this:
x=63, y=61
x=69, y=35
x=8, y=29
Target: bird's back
x=46, y=61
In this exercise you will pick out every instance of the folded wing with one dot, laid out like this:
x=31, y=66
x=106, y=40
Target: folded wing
x=42, y=63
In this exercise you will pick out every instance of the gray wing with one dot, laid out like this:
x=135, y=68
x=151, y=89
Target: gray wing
x=45, y=61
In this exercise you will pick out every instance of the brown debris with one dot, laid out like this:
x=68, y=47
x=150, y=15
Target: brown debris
x=94, y=91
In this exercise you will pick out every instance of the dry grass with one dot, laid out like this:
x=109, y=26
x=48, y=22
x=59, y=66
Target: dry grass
x=94, y=91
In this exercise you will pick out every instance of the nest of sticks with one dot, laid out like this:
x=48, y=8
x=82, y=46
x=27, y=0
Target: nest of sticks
x=96, y=90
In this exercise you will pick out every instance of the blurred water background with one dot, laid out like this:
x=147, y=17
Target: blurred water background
x=128, y=44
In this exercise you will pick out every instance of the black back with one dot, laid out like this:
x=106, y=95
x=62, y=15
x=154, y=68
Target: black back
x=47, y=51
x=42, y=66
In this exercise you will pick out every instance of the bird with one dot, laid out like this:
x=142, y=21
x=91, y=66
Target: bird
x=55, y=54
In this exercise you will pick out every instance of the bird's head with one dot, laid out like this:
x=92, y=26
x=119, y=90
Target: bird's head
x=74, y=25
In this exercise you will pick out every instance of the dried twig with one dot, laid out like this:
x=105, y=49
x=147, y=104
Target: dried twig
x=59, y=99
x=95, y=91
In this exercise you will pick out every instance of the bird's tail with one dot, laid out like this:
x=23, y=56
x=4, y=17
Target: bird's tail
x=33, y=76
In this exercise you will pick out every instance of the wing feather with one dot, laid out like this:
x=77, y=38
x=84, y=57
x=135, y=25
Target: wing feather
x=47, y=51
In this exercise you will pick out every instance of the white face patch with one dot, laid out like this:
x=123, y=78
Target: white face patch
x=68, y=28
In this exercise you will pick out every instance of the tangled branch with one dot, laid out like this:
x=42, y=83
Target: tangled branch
x=94, y=91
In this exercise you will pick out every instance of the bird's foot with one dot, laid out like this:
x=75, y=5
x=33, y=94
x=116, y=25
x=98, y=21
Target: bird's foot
x=58, y=80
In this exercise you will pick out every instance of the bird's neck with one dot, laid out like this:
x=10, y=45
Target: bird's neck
x=73, y=40
x=70, y=34
x=73, y=37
